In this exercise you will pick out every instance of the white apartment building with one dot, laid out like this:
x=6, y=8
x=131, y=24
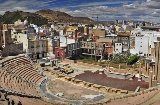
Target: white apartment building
x=36, y=48
x=118, y=47
x=144, y=41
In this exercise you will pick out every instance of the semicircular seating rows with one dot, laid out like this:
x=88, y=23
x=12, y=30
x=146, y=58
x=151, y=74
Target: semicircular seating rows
x=19, y=75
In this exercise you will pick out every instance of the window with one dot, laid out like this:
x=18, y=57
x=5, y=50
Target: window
x=120, y=44
x=140, y=46
x=58, y=54
x=116, y=49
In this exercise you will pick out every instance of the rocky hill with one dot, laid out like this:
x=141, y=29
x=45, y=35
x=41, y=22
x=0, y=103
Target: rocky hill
x=42, y=17
x=62, y=17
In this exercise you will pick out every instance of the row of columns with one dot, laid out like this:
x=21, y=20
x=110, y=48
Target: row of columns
x=149, y=67
x=150, y=72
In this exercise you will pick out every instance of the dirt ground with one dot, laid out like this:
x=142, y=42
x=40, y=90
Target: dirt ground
x=69, y=90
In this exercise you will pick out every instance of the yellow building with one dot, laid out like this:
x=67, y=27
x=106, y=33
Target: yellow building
x=70, y=31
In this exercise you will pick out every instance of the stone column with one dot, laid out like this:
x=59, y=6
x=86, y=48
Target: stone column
x=153, y=68
x=108, y=67
x=156, y=59
x=119, y=68
x=150, y=78
x=148, y=68
x=101, y=54
x=140, y=66
x=146, y=65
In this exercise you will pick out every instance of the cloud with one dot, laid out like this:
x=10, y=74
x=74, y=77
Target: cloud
x=147, y=10
x=153, y=4
x=23, y=5
x=99, y=3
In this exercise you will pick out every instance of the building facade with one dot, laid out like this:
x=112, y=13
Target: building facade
x=73, y=50
x=37, y=48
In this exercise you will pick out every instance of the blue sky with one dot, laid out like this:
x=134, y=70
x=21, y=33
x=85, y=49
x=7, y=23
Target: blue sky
x=148, y=10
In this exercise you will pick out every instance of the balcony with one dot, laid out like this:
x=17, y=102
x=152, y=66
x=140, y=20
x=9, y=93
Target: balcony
x=37, y=45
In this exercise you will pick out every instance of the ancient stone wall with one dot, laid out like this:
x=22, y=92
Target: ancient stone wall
x=12, y=49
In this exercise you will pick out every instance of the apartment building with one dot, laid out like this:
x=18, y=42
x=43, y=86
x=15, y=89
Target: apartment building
x=5, y=34
x=96, y=32
x=73, y=49
x=117, y=47
x=108, y=46
x=124, y=38
x=37, y=48
x=70, y=31
x=93, y=49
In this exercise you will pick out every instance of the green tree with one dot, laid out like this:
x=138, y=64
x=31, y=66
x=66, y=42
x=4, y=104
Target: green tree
x=120, y=58
x=132, y=59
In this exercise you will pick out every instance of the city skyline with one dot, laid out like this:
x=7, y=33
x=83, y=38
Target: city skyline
x=138, y=10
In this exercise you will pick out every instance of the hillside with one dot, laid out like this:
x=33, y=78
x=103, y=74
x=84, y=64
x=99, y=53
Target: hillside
x=62, y=17
x=11, y=17
x=41, y=17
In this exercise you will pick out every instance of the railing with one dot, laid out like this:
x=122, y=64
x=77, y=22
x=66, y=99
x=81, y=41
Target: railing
x=38, y=46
